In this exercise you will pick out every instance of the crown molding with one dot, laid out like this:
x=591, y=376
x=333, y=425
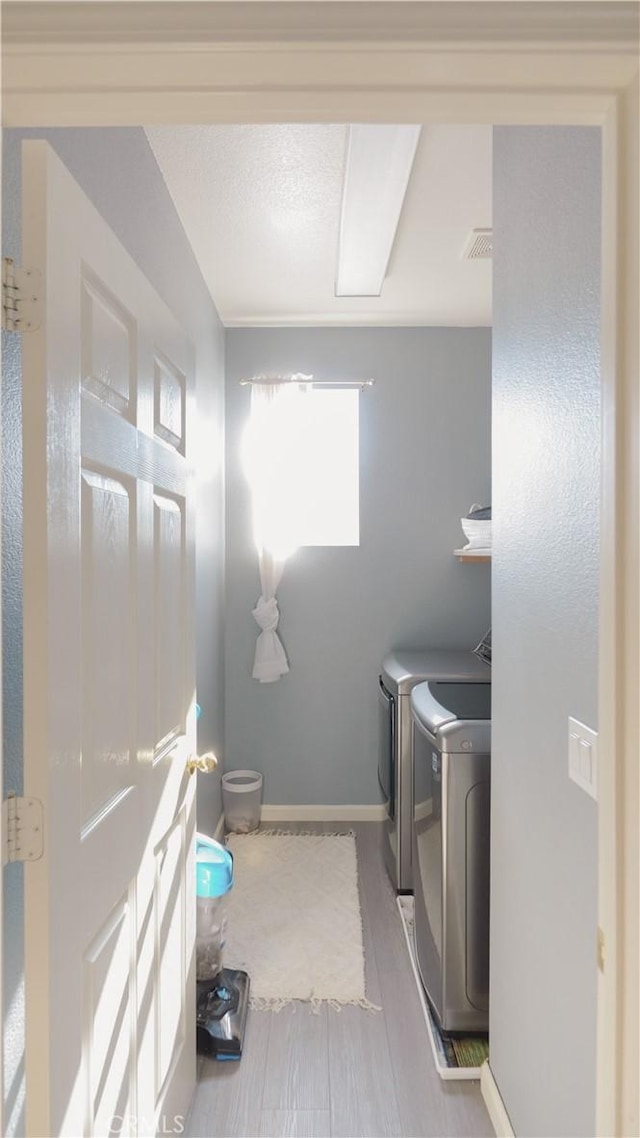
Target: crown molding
x=157, y=61
x=609, y=25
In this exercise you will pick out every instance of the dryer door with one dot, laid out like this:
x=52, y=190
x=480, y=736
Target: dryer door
x=428, y=865
x=387, y=747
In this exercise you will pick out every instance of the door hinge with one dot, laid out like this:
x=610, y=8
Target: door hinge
x=22, y=823
x=21, y=298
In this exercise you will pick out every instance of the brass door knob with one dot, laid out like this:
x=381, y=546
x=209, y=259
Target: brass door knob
x=203, y=763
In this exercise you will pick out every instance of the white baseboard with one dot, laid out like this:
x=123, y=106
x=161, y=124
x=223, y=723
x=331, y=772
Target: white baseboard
x=271, y=813
x=493, y=1101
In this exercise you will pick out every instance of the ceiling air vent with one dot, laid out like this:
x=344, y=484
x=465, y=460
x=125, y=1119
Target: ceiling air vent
x=479, y=245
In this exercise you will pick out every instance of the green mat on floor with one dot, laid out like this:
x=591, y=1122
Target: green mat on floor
x=459, y=1050
x=469, y=1050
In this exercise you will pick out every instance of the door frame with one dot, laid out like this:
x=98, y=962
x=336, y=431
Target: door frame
x=160, y=61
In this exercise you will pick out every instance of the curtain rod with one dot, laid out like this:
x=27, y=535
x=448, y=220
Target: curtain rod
x=361, y=383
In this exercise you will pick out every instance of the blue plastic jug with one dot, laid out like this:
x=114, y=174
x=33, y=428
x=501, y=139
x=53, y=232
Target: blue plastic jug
x=214, y=867
x=214, y=879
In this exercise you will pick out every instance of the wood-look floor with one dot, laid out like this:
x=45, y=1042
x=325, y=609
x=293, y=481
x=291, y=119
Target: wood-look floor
x=348, y=1074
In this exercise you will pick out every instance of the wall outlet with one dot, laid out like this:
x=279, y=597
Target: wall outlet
x=583, y=757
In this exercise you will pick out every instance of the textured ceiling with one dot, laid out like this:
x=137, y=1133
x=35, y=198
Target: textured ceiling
x=261, y=208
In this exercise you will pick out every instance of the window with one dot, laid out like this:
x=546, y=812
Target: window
x=302, y=458
x=328, y=464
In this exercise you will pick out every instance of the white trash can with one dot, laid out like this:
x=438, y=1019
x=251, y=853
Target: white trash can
x=241, y=800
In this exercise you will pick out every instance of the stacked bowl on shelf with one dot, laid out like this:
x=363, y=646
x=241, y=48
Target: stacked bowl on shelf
x=477, y=529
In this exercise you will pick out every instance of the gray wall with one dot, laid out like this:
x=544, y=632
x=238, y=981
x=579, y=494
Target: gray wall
x=546, y=455
x=117, y=169
x=425, y=457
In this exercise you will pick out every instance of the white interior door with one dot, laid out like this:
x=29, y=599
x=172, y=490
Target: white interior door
x=108, y=679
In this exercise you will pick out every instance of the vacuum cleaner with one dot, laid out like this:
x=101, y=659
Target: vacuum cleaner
x=222, y=994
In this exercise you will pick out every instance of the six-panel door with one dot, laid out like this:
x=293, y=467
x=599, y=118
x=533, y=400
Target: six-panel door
x=109, y=679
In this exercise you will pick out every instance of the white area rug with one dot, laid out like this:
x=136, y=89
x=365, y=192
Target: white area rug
x=294, y=919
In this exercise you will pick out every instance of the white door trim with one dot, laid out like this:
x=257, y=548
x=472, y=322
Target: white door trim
x=95, y=65
x=493, y=1101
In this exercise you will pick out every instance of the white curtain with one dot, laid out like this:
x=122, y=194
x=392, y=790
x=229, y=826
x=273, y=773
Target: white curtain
x=269, y=450
x=270, y=662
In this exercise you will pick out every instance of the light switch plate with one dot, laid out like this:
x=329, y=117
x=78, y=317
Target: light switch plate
x=583, y=757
